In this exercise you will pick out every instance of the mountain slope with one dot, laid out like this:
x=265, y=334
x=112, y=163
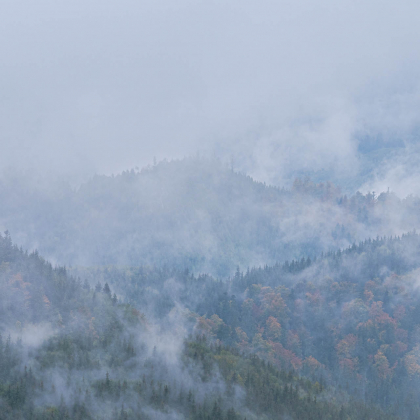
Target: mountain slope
x=72, y=352
x=349, y=318
x=193, y=213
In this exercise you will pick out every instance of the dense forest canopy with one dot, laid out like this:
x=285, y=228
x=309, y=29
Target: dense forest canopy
x=335, y=336
x=72, y=351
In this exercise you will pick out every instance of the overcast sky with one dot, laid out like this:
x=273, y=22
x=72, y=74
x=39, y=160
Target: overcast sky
x=280, y=85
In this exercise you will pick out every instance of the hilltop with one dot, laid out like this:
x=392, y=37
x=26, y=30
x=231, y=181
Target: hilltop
x=193, y=213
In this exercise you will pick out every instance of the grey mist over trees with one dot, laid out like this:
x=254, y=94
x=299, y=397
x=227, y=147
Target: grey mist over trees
x=196, y=214
x=209, y=210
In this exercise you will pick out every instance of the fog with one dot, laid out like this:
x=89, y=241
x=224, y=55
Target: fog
x=209, y=210
x=280, y=88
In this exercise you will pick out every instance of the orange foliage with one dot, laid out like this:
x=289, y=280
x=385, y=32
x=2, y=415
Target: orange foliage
x=382, y=366
x=243, y=338
x=315, y=299
x=210, y=325
x=20, y=288
x=348, y=365
x=312, y=365
x=288, y=358
x=274, y=328
x=272, y=302
x=380, y=317
x=346, y=346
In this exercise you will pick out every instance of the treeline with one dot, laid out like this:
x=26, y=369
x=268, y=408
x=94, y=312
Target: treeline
x=350, y=317
x=72, y=350
x=193, y=213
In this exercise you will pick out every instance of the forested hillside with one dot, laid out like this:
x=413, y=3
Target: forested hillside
x=349, y=319
x=193, y=213
x=72, y=351
x=159, y=317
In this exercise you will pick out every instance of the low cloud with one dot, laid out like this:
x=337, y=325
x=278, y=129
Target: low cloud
x=283, y=87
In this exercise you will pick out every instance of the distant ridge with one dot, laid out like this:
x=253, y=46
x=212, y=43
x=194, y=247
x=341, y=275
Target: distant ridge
x=194, y=213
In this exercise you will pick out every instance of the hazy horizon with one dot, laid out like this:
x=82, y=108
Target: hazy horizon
x=281, y=88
